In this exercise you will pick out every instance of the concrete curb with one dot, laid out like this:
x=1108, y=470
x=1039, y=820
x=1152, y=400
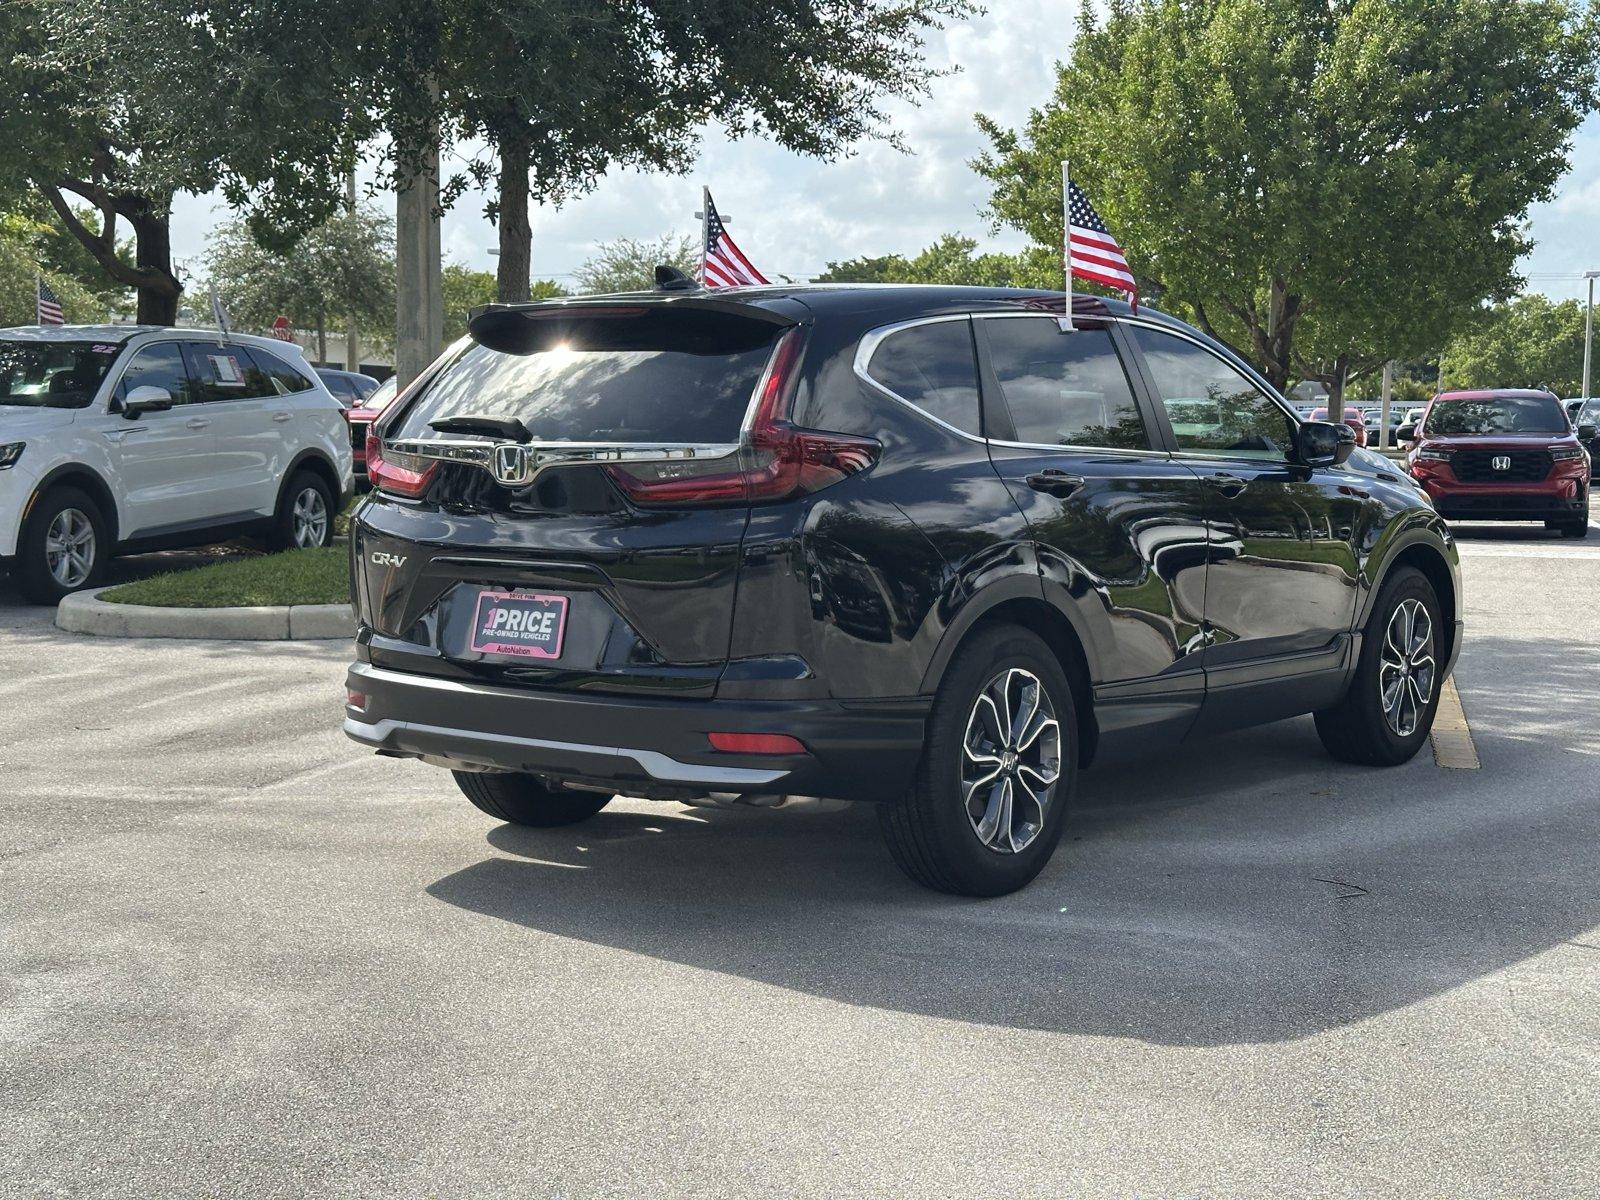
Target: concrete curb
x=85, y=612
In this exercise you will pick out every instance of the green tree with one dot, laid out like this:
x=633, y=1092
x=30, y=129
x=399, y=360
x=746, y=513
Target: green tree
x=341, y=270
x=121, y=104
x=626, y=265
x=952, y=259
x=1324, y=183
x=1531, y=341
x=23, y=259
x=466, y=289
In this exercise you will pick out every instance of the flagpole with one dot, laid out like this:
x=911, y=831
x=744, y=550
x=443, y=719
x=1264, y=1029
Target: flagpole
x=1066, y=247
x=705, y=229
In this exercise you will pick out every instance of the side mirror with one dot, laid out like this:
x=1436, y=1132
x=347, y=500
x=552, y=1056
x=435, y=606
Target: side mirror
x=1323, y=444
x=146, y=399
x=1587, y=432
x=1406, y=433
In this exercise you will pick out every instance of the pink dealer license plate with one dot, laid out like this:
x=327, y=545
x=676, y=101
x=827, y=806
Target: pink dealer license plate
x=525, y=624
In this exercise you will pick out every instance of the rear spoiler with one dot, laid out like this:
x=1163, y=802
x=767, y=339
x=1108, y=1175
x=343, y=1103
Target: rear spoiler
x=524, y=328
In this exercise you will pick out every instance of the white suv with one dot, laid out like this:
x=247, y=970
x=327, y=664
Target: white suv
x=117, y=439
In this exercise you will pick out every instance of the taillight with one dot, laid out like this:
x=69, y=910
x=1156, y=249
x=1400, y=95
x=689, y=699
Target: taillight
x=397, y=474
x=778, y=460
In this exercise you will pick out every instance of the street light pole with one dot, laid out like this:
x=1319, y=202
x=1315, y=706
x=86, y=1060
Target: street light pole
x=1588, y=333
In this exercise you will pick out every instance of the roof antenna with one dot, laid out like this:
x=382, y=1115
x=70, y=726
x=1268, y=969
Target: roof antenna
x=670, y=279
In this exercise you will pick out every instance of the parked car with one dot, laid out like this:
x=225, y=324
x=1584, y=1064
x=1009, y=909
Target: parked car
x=1588, y=418
x=360, y=417
x=347, y=387
x=116, y=439
x=781, y=541
x=1503, y=455
x=1352, y=418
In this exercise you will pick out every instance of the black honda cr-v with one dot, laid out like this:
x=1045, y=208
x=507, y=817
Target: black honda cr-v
x=913, y=545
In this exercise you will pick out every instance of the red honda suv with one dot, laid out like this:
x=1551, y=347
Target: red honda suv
x=1503, y=455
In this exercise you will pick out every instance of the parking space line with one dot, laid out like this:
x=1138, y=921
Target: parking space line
x=1452, y=736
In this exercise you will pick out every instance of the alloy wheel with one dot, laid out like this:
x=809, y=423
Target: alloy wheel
x=1011, y=760
x=310, y=518
x=1406, y=670
x=69, y=548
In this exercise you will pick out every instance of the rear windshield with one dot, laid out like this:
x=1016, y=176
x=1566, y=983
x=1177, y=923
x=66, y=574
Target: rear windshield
x=53, y=374
x=687, y=377
x=1498, y=414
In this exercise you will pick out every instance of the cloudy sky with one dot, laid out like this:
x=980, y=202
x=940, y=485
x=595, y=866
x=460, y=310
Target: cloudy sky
x=793, y=215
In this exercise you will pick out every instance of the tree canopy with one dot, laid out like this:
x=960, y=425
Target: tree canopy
x=628, y=265
x=24, y=246
x=1531, y=341
x=1326, y=184
x=952, y=259
x=342, y=269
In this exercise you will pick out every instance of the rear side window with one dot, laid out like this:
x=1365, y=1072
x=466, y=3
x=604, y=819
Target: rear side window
x=645, y=376
x=283, y=379
x=1064, y=389
x=341, y=387
x=934, y=367
x=158, y=365
x=224, y=373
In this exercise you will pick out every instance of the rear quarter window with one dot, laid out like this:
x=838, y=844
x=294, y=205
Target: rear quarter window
x=935, y=368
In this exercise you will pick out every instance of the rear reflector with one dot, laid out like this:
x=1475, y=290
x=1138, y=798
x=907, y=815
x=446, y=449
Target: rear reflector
x=354, y=699
x=756, y=743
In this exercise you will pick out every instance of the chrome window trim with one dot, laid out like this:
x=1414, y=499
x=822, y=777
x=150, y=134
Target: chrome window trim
x=873, y=338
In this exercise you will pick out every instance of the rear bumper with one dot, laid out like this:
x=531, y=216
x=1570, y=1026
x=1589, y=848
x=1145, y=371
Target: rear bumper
x=857, y=751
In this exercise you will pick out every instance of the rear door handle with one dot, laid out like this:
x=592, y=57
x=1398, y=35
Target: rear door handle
x=281, y=417
x=196, y=423
x=1054, y=483
x=1228, y=485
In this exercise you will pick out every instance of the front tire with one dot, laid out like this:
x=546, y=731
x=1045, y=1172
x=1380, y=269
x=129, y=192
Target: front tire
x=63, y=548
x=998, y=771
x=523, y=800
x=305, y=514
x=1388, y=712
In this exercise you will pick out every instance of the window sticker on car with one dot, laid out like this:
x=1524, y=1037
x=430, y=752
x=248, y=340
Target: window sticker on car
x=98, y=349
x=225, y=370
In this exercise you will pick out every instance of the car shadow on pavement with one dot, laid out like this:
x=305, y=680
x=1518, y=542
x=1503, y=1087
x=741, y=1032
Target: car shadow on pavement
x=1250, y=891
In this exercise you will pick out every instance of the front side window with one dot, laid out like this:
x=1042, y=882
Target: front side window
x=1497, y=414
x=53, y=374
x=1213, y=407
x=158, y=365
x=1064, y=389
x=934, y=367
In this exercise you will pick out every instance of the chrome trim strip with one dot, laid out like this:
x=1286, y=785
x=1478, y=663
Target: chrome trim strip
x=868, y=346
x=665, y=768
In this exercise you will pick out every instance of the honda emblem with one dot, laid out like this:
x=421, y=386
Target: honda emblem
x=514, y=465
x=1501, y=462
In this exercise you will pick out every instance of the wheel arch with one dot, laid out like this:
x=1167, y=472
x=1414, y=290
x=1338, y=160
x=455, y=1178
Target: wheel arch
x=87, y=480
x=1430, y=559
x=318, y=464
x=1027, y=608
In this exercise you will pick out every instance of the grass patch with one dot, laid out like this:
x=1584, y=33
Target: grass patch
x=319, y=576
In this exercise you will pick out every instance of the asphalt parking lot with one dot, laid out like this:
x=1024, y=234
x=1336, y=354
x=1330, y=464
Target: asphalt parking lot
x=241, y=957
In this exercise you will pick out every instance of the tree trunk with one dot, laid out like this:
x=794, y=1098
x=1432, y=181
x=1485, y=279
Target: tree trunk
x=152, y=252
x=419, y=298
x=516, y=234
x=1335, y=380
x=322, y=338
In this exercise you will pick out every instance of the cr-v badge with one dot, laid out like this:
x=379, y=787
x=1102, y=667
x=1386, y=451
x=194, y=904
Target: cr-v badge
x=382, y=558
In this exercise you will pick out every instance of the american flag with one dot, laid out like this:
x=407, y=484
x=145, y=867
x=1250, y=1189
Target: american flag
x=725, y=263
x=1092, y=253
x=48, y=305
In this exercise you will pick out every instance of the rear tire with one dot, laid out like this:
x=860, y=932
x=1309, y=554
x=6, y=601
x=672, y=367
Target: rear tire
x=305, y=514
x=1365, y=727
x=63, y=548
x=955, y=831
x=523, y=800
